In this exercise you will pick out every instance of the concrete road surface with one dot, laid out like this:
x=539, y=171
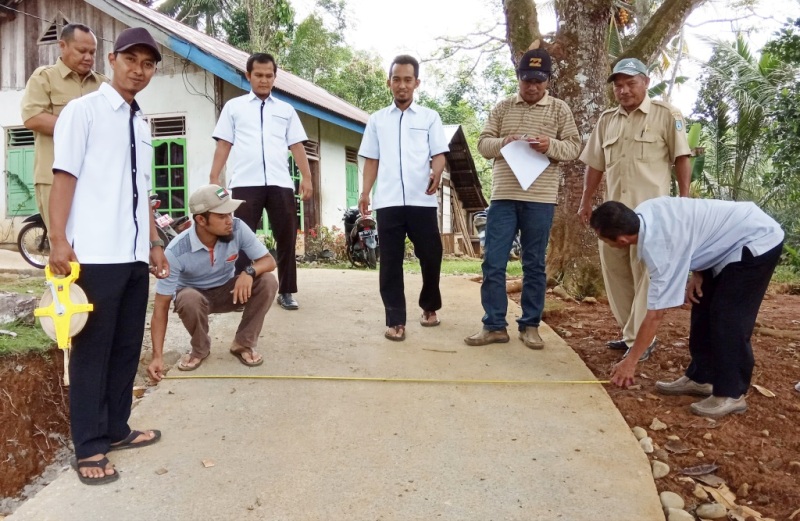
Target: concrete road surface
x=261, y=449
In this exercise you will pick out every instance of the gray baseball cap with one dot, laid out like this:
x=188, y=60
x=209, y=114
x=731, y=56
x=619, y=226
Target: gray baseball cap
x=628, y=67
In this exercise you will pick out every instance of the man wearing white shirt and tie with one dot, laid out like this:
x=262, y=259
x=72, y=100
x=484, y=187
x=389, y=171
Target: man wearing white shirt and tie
x=732, y=249
x=404, y=146
x=259, y=129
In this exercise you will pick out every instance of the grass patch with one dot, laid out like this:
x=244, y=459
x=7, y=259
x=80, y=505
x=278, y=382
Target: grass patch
x=785, y=275
x=30, y=337
x=24, y=285
x=450, y=266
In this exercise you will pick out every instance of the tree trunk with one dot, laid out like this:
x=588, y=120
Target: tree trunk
x=660, y=29
x=522, y=26
x=581, y=82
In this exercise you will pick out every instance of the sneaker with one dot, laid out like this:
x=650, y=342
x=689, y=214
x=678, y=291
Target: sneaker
x=719, y=406
x=287, y=301
x=617, y=345
x=530, y=337
x=684, y=385
x=647, y=352
x=485, y=337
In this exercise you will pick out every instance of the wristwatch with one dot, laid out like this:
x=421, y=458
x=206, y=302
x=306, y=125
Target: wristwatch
x=250, y=271
x=157, y=242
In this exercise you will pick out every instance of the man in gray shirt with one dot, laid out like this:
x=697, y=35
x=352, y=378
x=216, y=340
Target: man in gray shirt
x=202, y=280
x=731, y=249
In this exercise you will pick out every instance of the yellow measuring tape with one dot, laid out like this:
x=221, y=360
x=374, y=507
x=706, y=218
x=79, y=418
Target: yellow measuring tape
x=374, y=379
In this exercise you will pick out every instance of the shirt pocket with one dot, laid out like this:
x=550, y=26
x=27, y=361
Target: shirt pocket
x=59, y=102
x=611, y=151
x=278, y=126
x=418, y=139
x=649, y=147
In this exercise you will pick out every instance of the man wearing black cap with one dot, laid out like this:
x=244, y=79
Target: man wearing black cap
x=548, y=125
x=635, y=144
x=100, y=217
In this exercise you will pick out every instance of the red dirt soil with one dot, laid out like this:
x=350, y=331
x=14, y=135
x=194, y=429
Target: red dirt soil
x=760, y=448
x=34, y=422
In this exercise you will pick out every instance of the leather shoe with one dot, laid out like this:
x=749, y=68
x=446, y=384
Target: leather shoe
x=485, y=337
x=530, y=337
x=617, y=345
x=647, y=352
x=684, y=385
x=287, y=301
x=719, y=406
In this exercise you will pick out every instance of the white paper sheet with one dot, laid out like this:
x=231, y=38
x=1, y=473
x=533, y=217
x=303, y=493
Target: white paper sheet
x=526, y=163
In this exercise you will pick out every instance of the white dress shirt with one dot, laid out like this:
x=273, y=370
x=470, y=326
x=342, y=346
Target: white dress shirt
x=261, y=133
x=108, y=223
x=678, y=235
x=403, y=142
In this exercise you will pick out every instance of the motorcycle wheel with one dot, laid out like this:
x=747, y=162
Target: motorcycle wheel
x=33, y=244
x=372, y=260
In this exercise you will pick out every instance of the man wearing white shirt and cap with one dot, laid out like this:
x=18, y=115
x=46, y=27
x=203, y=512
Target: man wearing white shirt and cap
x=259, y=129
x=100, y=216
x=732, y=249
x=404, y=146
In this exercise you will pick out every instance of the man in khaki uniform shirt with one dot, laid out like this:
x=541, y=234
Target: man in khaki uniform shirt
x=48, y=91
x=635, y=144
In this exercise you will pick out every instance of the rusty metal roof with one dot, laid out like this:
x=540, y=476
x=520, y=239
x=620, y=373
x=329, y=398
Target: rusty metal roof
x=207, y=52
x=463, y=174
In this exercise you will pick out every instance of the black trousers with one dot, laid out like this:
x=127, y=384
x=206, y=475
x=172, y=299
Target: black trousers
x=722, y=323
x=105, y=355
x=282, y=214
x=420, y=224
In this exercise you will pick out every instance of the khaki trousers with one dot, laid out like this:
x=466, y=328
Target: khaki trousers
x=194, y=306
x=627, y=281
x=42, y=192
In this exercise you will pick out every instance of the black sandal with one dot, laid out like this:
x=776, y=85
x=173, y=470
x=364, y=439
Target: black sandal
x=101, y=464
x=128, y=443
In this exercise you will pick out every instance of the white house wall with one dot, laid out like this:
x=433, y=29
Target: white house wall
x=177, y=95
x=333, y=184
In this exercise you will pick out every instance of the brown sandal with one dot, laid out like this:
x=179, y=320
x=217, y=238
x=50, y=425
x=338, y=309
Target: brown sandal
x=425, y=319
x=239, y=353
x=396, y=333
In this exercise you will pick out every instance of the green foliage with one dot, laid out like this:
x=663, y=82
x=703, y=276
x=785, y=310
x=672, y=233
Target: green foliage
x=325, y=244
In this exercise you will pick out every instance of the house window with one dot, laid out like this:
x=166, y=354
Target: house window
x=53, y=32
x=170, y=163
x=351, y=176
x=20, y=194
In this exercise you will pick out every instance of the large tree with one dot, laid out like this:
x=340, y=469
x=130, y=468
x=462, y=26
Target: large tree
x=579, y=49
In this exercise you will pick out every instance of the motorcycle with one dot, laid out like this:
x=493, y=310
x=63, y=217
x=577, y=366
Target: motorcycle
x=32, y=241
x=167, y=227
x=361, y=238
x=479, y=223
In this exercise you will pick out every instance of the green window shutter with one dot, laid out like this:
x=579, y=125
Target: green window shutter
x=170, y=175
x=351, y=173
x=20, y=193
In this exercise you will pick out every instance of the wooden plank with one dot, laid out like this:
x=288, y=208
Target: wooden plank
x=462, y=230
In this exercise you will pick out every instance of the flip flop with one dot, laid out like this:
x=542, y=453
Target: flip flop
x=424, y=321
x=239, y=353
x=395, y=338
x=183, y=367
x=102, y=463
x=128, y=442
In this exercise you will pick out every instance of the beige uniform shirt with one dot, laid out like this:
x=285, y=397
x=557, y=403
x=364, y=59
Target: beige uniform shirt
x=637, y=150
x=549, y=117
x=49, y=89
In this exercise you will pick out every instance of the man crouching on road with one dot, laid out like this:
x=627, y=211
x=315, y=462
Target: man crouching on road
x=731, y=249
x=201, y=278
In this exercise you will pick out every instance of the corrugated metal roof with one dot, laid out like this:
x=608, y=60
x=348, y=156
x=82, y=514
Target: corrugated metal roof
x=285, y=82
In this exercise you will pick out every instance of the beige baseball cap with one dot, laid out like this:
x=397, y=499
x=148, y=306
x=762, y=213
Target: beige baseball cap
x=214, y=199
